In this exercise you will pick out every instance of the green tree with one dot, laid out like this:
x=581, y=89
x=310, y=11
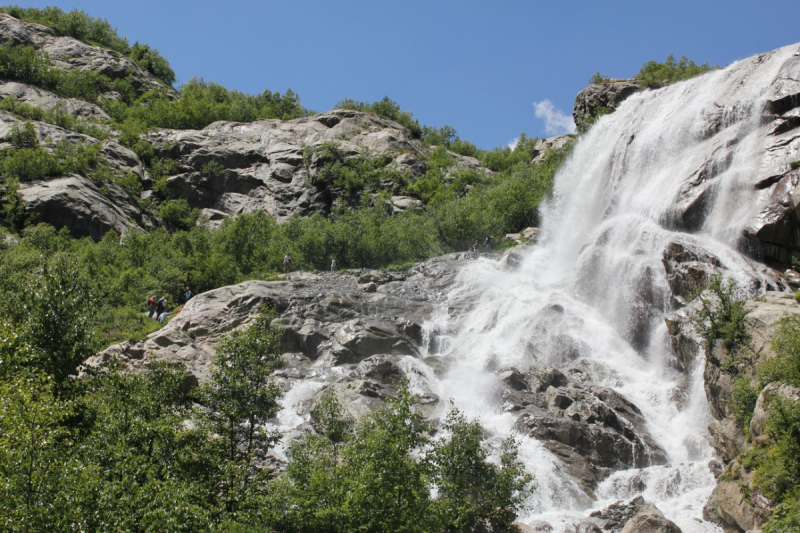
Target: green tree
x=473, y=492
x=57, y=328
x=241, y=398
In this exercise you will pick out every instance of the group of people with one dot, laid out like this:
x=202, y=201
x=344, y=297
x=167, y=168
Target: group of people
x=287, y=263
x=158, y=306
x=478, y=247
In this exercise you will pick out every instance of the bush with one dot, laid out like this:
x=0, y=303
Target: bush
x=654, y=74
x=178, y=213
x=153, y=62
x=379, y=475
x=386, y=108
x=721, y=315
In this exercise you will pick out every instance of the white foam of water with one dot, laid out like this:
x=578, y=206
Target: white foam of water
x=596, y=289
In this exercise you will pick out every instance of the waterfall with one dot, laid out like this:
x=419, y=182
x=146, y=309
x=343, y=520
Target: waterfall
x=668, y=166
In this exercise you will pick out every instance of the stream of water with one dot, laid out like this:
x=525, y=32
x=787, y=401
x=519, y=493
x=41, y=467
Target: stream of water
x=600, y=259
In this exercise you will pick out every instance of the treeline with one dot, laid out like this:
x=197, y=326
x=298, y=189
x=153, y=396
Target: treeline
x=146, y=451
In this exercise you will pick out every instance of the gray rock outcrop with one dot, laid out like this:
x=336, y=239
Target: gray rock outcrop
x=605, y=95
x=75, y=202
x=36, y=97
x=270, y=165
x=68, y=54
x=593, y=429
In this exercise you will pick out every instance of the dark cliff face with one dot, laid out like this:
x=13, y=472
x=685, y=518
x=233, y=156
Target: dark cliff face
x=601, y=98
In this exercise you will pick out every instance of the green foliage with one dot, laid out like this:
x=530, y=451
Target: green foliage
x=598, y=78
x=777, y=462
x=75, y=24
x=583, y=123
x=36, y=451
x=794, y=165
x=448, y=137
x=785, y=367
x=178, y=213
x=743, y=402
x=501, y=159
x=153, y=62
x=97, y=32
x=386, y=108
x=348, y=177
x=721, y=315
x=26, y=64
x=57, y=332
x=241, y=399
x=13, y=208
x=56, y=116
x=785, y=518
x=378, y=475
x=654, y=74
x=212, y=168
x=778, y=468
x=473, y=492
x=202, y=103
x=23, y=137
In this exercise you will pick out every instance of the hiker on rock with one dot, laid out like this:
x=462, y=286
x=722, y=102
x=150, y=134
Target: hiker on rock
x=334, y=268
x=187, y=295
x=152, y=304
x=287, y=261
x=161, y=307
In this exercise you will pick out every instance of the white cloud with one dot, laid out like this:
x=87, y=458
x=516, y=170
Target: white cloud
x=513, y=143
x=555, y=121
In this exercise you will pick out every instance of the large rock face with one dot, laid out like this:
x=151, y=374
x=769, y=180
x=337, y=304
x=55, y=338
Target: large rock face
x=606, y=95
x=267, y=165
x=68, y=53
x=75, y=202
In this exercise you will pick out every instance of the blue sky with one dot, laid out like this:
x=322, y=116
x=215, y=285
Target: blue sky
x=484, y=68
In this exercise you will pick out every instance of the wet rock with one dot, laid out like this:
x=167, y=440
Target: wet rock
x=726, y=438
x=730, y=508
x=649, y=519
x=594, y=430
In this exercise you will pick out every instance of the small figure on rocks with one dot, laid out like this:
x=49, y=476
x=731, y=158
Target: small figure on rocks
x=487, y=244
x=287, y=261
x=187, y=295
x=334, y=268
x=152, y=304
x=163, y=317
x=161, y=307
x=476, y=246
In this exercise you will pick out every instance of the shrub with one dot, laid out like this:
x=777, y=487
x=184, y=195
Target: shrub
x=178, y=213
x=654, y=74
x=743, y=402
x=23, y=137
x=153, y=62
x=386, y=108
x=379, y=475
x=721, y=315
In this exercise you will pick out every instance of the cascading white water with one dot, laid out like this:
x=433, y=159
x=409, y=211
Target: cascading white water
x=612, y=214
